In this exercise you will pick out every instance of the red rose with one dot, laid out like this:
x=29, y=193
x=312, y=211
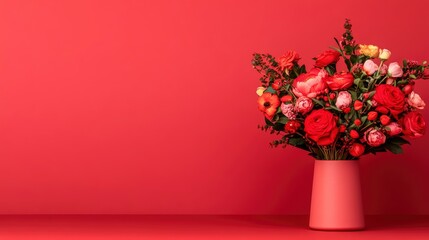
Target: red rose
x=413, y=124
x=326, y=58
x=356, y=149
x=286, y=61
x=321, y=126
x=391, y=98
x=340, y=81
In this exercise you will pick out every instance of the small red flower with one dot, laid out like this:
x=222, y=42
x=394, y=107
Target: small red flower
x=268, y=104
x=358, y=105
x=366, y=96
x=277, y=84
x=346, y=110
x=408, y=89
x=354, y=134
x=372, y=115
x=358, y=122
x=332, y=96
x=286, y=98
x=384, y=119
x=342, y=128
x=292, y=126
x=382, y=110
x=356, y=149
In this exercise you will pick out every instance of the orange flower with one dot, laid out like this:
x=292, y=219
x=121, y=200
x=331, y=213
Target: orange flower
x=268, y=104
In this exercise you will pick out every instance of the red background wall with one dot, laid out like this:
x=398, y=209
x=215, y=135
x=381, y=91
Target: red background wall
x=150, y=106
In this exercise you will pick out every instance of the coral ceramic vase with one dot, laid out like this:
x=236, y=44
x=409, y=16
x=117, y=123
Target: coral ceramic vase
x=336, y=201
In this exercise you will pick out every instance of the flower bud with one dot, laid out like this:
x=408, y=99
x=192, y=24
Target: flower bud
x=384, y=54
x=384, y=119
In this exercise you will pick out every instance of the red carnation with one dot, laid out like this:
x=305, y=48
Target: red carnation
x=326, y=58
x=321, y=126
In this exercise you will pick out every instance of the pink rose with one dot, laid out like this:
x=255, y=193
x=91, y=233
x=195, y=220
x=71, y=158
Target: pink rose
x=393, y=129
x=370, y=67
x=395, y=70
x=374, y=137
x=288, y=110
x=344, y=100
x=310, y=84
x=303, y=105
x=416, y=101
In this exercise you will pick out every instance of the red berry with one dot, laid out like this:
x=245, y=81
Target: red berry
x=276, y=84
x=354, y=134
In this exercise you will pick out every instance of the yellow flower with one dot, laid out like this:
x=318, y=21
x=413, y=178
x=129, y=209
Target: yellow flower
x=260, y=91
x=384, y=54
x=368, y=50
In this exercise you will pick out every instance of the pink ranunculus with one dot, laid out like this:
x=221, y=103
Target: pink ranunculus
x=393, y=129
x=344, y=100
x=310, y=84
x=374, y=137
x=288, y=110
x=395, y=70
x=416, y=101
x=303, y=105
x=370, y=67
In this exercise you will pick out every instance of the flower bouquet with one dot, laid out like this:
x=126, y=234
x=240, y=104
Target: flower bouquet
x=341, y=115
x=368, y=107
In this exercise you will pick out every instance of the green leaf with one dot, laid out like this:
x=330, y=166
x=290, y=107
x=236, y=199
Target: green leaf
x=268, y=122
x=283, y=120
x=399, y=141
x=394, y=148
x=404, y=63
x=296, y=141
x=270, y=90
x=318, y=102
